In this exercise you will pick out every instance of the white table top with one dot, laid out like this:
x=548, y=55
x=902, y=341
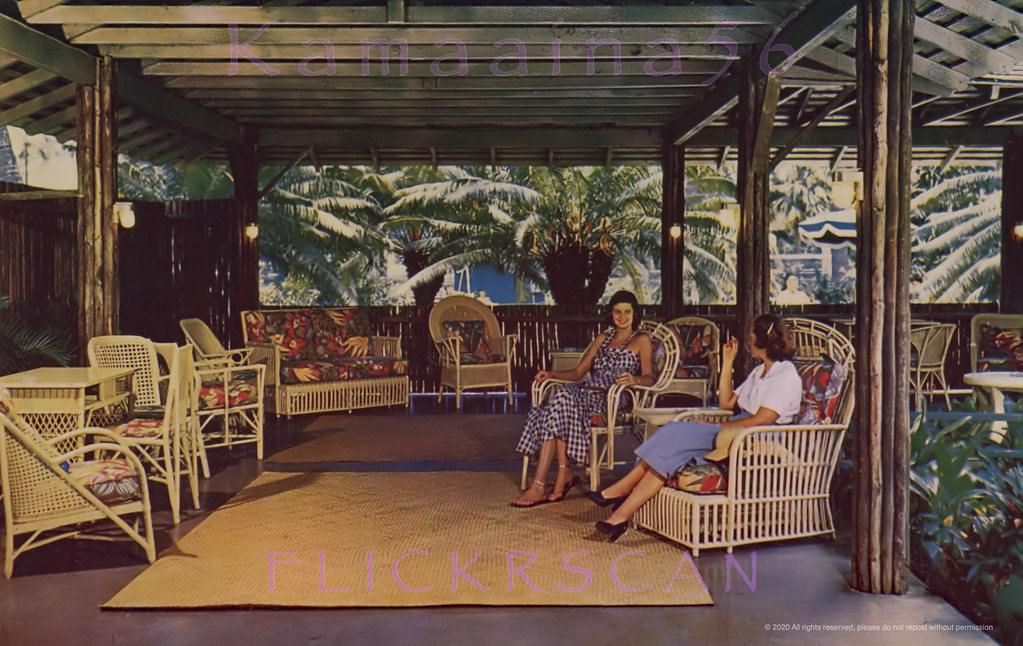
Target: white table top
x=63, y=377
x=1002, y=380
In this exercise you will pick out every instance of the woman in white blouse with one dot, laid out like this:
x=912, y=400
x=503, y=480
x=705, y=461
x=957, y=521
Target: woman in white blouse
x=770, y=395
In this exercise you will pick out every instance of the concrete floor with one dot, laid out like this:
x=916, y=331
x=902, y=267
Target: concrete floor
x=801, y=596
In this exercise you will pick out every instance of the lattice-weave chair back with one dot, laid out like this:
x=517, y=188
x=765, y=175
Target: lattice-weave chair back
x=127, y=351
x=931, y=342
x=811, y=339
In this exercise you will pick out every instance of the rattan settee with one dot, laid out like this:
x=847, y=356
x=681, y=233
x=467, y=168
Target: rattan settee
x=779, y=477
x=324, y=360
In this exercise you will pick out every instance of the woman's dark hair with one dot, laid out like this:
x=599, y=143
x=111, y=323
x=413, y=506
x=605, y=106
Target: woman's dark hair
x=624, y=296
x=772, y=335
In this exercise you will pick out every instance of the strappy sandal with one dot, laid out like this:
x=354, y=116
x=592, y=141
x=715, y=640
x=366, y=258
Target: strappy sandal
x=533, y=503
x=576, y=480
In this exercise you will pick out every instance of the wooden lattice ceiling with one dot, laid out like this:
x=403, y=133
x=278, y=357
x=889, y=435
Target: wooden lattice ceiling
x=185, y=98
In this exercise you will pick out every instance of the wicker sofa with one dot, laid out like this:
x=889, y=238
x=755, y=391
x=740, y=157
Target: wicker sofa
x=324, y=360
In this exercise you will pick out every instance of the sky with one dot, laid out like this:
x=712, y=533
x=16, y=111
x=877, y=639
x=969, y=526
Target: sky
x=50, y=165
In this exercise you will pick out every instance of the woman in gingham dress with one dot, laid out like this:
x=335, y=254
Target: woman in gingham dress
x=561, y=426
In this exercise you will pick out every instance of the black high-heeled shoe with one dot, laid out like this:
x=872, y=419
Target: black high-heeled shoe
x=598, y=499
x=613, y=532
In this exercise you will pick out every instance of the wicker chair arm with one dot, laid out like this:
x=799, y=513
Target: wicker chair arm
x=386, y=346
x=268, y=354
x=712, y=415
x=231, y=357
x=449, y=350
x=541, y=389
x=506, y=344
x=118, y=448
x=93, y=431
x=744, y=437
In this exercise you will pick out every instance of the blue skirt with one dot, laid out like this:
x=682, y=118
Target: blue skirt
x=676, y=443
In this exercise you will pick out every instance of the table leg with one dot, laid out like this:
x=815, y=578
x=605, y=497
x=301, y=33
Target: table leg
x=998, y=429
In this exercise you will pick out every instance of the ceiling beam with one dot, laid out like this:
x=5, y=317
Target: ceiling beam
x=821, y=115
x=989, y=11
x=25, y=83
x=397, y=12
x=538, y=52
x=808, y=30
x=374, y=69
x=621, y=139
x=463, y=84
x=950, y=159
x=39, y=50
x=27, y=108
x=421, y=35
x=960, y=111
x=980, y=59
x=343, y=97
x=158, y=102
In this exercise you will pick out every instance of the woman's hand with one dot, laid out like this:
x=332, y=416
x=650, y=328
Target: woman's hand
x=542, y=376
x=730, y=350
x=627, y=379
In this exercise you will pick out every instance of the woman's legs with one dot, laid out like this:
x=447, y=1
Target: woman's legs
x=647, y=487
x=564, y=471
x=536, y=490
x=624, y=486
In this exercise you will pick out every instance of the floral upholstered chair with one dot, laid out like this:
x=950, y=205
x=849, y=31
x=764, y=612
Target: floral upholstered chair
x=473, y=351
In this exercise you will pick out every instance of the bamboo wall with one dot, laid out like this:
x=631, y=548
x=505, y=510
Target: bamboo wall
x=37, y=250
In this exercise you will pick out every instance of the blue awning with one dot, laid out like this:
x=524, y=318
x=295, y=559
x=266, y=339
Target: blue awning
x=834, y=229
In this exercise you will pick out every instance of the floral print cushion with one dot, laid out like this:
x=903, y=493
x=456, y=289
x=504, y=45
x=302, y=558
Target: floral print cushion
x=112, y=481
x=241, y=390
x=343, y=369
x=695, y=350
x=822, y=386
x=312, y=334
x=701, y=479
x=472, y=341
x=140, y=428
x=476, y=358
x=999, y=349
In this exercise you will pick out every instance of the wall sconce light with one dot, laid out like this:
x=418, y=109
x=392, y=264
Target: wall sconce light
x=252, y=231
x=124, y=214
x=675, y=232
x=1017, y=232
x=847, y=189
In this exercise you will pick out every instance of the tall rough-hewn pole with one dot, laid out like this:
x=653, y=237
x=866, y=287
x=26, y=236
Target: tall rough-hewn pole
x=673, y=210
x=884, y=62
x=244, y=293
x=758, y=102
x=98, y=280
x=1012, y=216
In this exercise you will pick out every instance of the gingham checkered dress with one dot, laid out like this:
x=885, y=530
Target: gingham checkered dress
x=566, y=413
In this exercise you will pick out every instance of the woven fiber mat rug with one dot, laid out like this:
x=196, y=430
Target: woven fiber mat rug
x=392, y=540
x=351, y=438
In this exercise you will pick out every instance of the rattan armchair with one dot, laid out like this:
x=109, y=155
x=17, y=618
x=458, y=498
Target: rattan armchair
x=208, y=347
x=779, y=476
x=473, y=351
x=149, y=387
x=602, y=436
x=930, y=343
x=169, y=447
x=46, y=490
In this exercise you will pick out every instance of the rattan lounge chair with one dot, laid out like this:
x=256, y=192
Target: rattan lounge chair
x=779, y=476
x=46, y=490
x=699, y=356
x=208, y=348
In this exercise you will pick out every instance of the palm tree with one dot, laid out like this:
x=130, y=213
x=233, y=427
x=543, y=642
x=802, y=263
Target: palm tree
x=797, y=191
x=26, y=343
x=956, y=218
x=320, y=231
x=146, y=182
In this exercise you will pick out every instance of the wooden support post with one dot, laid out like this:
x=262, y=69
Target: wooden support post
x=1012, y=217
x=244, y=294
x=880, y=556
x=758, y=102
x=98, y=280
x=673, y=210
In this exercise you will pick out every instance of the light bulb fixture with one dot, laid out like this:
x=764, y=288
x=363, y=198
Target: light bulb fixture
x=847, y=189
x=1017, y=231
x=252, y=231
x=675, y=232
x=124, y=214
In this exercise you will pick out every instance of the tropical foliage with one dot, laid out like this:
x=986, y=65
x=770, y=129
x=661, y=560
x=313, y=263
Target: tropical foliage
x=32, y=338
x=143, y=181
x=967, y=515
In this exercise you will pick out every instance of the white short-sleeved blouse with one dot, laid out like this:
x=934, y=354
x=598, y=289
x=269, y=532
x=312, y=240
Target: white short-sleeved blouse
x=781, y=391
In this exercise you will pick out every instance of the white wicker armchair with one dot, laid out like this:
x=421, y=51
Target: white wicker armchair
x=208, y=347
x=666, y=351
x=44, y=489
x=779, y=476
